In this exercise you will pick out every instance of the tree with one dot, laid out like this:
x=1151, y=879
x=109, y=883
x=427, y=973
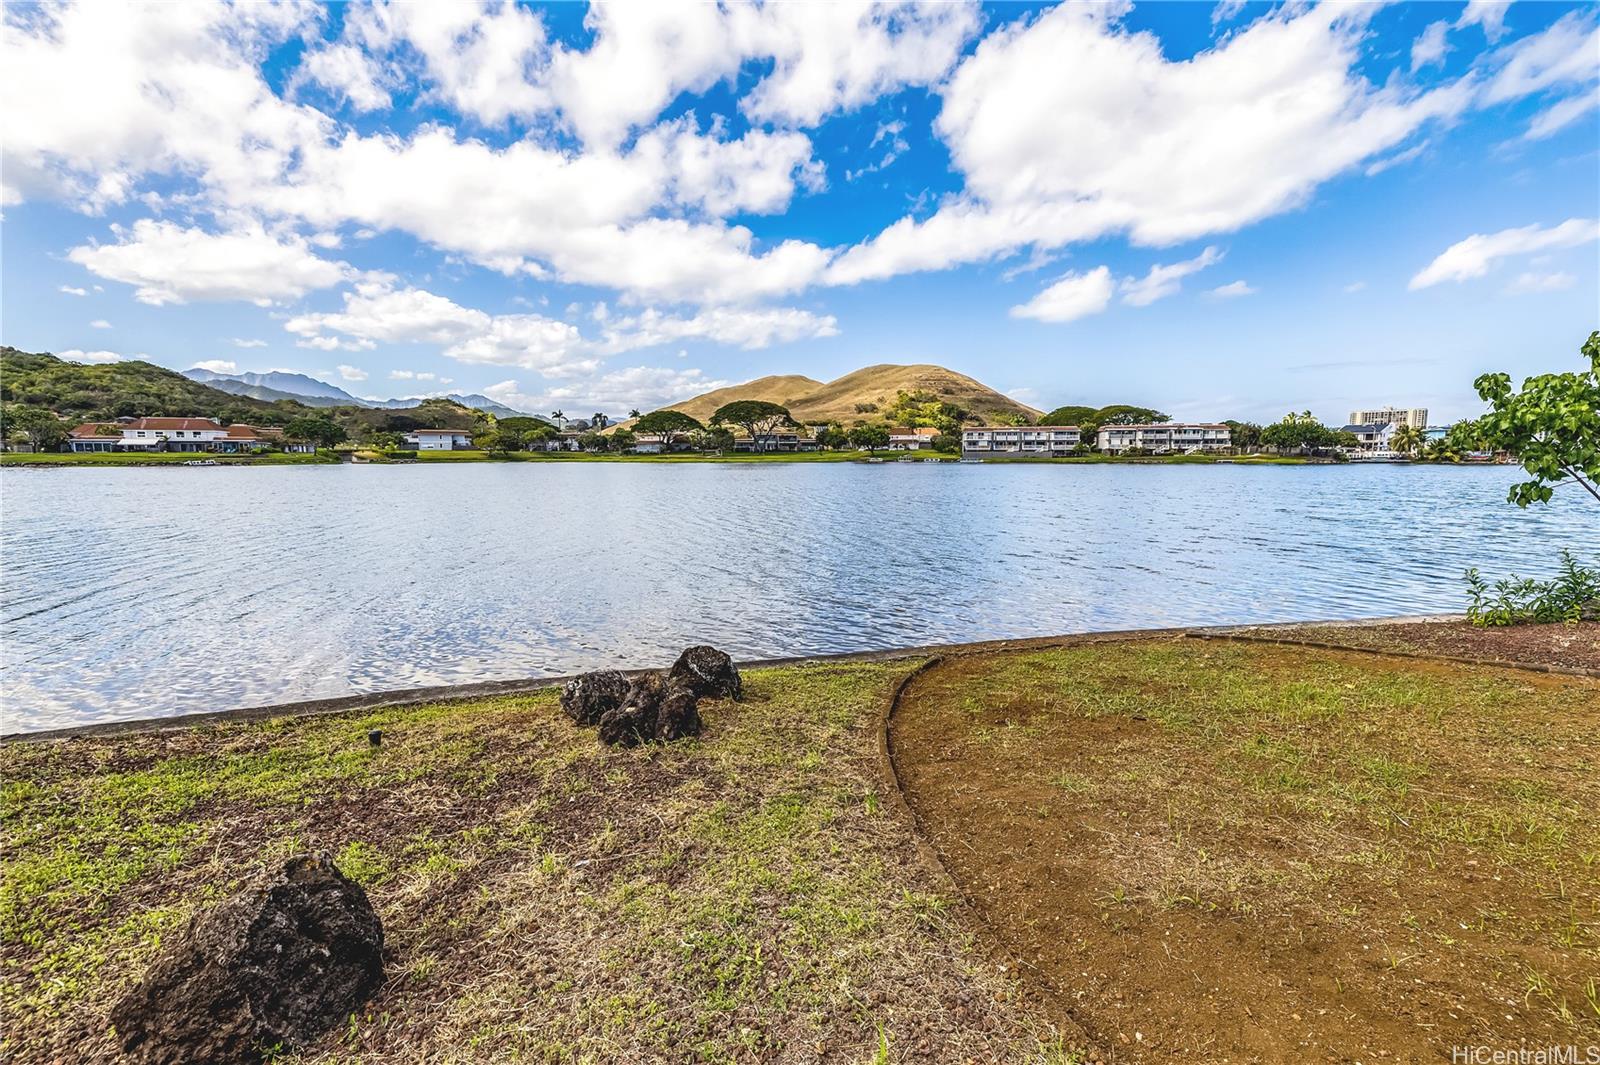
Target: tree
x=1406, y=439
x=539, y=436
x=623, y=440
x=833, y=437
x=560, y=419
x=45, y=431
x=319, y=432
x=760, y=419
x=1245, y=436
x=634, y=413
x=1552, y=427
x=1301, y=432
x=503, y=438
x=600, y=420
x=1069, y=415
x=593, y=441
x=870, y=438
x=670, y=425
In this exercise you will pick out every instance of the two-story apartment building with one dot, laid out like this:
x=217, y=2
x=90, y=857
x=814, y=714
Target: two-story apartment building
x=782, y=440
x=1021, y=439
x=1371, y=436
x=1165, y=437
x=175, y=434
x=902, y=438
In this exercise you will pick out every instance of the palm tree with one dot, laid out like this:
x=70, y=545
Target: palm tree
x=560, y=419
x=600, y=421
x=1406, y=439
x=634, y=413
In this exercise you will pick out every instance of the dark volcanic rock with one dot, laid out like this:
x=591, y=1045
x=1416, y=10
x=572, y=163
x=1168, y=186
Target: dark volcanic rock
x=586, y=699
x=677, y=713
x=708, y=673
x=290, y=956
x=634, y=721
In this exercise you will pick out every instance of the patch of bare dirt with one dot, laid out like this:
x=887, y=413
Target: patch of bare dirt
x=1567, y=646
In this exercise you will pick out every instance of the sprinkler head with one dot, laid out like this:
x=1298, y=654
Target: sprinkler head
x=375, y=737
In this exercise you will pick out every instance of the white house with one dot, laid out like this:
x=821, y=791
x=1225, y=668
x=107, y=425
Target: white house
x=902, y=438
x=439, y=439
x=1021, y=439
x=1372, y=436
x=1165, y=437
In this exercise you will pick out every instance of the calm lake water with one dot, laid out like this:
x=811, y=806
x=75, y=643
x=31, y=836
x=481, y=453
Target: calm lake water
x=132, y=593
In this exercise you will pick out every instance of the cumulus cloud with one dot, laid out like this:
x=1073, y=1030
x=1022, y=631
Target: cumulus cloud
x=1073, y=296
x=1477, y=254
x=1233, y=290
x=74, y=291
x=171, y=264
x=242, y=342
x=99, y=323
x=1560, y=57
x=1164, y=281
x=74, y=355
x=644, y=387
x=1068, y=127
x=1490, y=14
x=1431, y=46
x=351, y=373
x=218, y=366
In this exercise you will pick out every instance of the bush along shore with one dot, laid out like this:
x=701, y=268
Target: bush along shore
x=1136, y=840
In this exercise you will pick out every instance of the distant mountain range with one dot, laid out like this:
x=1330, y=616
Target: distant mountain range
x=280, y=384
x=847, y=398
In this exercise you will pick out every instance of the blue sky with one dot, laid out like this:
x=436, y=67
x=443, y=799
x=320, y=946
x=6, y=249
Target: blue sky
x=1218, y=210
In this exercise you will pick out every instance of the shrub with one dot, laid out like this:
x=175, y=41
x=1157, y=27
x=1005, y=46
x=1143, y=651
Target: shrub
x=1573, y=595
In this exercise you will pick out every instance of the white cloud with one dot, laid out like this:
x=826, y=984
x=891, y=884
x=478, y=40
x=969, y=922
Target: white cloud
x=72, y=291
x=1561, y=56
x=1226, y=11
x=644, y=387
x=351, y=373
x=1353, y=287
x=240, y=342
x=1233, y=290
x=1073, y=296
x=171, y=264
x=74, y=355
x=99, y=323
x=1531, y=282
x=218, y=366
x=1490, y=14
x=347, y=71
x=1164, y=281
x=1474, y=256
x=745, y=327
x=1561, y=114
x=1068, y=127
x=410, y=375
x=1430, y=47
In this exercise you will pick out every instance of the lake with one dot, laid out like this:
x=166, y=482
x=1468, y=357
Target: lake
x=131, y=593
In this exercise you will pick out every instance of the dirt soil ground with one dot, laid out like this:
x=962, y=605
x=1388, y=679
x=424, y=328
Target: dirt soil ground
x=1568, y=646
x=1238, y=852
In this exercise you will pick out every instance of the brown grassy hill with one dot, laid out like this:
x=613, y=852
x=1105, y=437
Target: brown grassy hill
x=783, y=389
x=811, y=401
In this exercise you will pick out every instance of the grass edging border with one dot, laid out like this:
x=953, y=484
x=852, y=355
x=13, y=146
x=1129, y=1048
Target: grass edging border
x=1393, y=652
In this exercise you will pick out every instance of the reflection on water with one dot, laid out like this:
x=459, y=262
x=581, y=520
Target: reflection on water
x=140, y=592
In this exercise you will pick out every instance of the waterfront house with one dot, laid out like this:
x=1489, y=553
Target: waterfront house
x=1021, y=439
x=92, y=436
x=1165, y=437
x=171, y=434
x=782, y=440
x=1371, y=436
x=439, y=439
x=902, y=438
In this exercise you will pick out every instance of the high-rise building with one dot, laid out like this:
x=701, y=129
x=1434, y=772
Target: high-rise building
x=1416, y=417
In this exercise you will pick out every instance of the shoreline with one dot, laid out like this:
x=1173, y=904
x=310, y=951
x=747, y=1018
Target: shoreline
x=402, y=698
x=22, y=460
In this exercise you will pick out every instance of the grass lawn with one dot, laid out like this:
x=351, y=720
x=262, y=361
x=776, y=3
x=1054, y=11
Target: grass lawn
x=160, y=458
x=1224, y=851
x=748, y=895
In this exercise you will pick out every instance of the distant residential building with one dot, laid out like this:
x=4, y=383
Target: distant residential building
x=1416, y=417
x=783, y=440
x=1165, y=437
x=1371, y=436
x=1021, y=439
x=648, y=444
x=439, y=439
x=93, y=436
x=904, y=439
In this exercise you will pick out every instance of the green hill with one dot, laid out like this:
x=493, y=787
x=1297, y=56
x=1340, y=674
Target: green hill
x=135, y=389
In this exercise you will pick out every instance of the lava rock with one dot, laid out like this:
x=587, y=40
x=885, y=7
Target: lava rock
x=292, y=955
x=677, y=713
x=588, y=698
x=708, y=673
x=634, y=721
